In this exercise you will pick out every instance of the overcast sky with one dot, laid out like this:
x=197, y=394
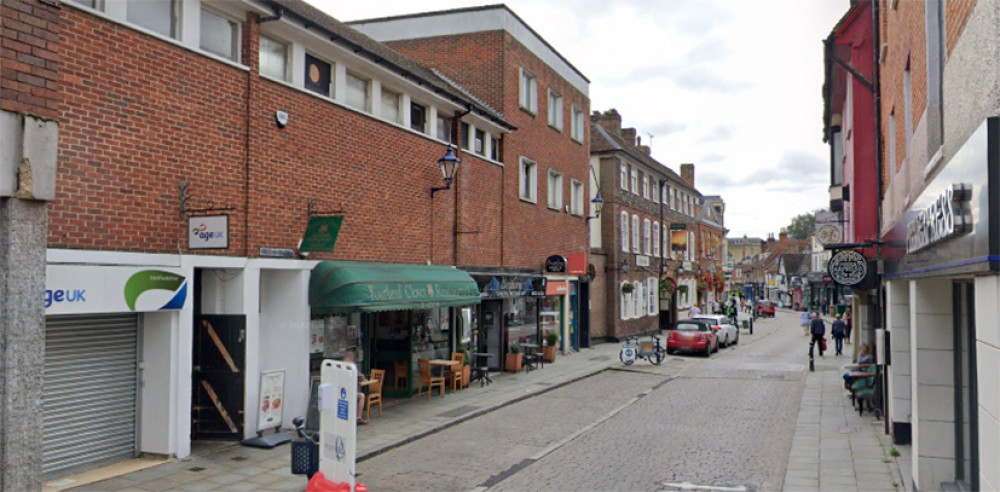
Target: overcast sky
x=733, y=86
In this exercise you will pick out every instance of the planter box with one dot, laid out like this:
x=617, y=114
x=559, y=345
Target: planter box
x=466, y=375
x=549, y=353
x=513, y=362
x=664, y=305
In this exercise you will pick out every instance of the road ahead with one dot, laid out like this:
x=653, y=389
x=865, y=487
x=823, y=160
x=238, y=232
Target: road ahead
x=726, y=420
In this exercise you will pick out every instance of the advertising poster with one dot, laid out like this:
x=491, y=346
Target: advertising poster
x=272, y=394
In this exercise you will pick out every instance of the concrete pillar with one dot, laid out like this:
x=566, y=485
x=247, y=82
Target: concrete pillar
x=932, y=383
x=898, y=321
x=988, y=385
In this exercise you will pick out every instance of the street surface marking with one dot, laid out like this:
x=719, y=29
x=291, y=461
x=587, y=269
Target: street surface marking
x=691, y=486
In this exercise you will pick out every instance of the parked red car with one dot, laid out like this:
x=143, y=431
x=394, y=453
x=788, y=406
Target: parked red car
x=693, y=335
x=765, y=308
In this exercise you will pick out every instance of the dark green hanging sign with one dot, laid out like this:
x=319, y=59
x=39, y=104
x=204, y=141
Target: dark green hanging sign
x=321, y=234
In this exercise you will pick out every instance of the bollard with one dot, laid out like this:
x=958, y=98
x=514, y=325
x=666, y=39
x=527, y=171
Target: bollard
x=751, y=326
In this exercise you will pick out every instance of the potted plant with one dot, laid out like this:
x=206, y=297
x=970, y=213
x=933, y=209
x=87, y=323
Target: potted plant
x=666, y=294
x=466, y=369
x=514, y=358
x=551, y=344
x=627, y=288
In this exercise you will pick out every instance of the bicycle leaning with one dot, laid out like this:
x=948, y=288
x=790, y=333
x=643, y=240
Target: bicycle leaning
x=651, y=350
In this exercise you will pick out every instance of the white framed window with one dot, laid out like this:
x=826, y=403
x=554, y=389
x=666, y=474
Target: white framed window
x=555, y=110
x=691, y=246
x=390, y=106
x=219, y=35
x=652, y=289
x=625, y=301
x=318, y=75
x=418, y=117
x=666, y=242
x=464, y=135
x=892, y=146
x=159, y=16
x=479, y=142
x=577, y=124
x=645, y=186
x=87, y=3
x=907, y=109
x=636, y=245
x=624, y=231
x=623, y=176
x=646, y=241
x=673, y=198
x=635, y=182
x=494, y=148
x=529, y=91
x=656, y=239
x=576, y=197
x=639, y=300
x=444, y=128
x=357, y=93
x=555, y=190
x=528, y=189
x=273, y=58
x=663, y=195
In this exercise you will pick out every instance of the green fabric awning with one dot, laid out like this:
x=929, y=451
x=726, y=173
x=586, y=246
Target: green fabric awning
x=346, y=286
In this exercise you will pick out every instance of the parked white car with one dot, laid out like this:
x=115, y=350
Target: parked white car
x=724, y=328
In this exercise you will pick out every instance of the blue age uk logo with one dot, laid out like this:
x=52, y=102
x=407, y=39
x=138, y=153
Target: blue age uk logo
x=342, y=405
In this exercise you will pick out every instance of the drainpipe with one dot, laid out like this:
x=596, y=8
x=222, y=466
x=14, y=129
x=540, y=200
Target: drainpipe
x=454, y=230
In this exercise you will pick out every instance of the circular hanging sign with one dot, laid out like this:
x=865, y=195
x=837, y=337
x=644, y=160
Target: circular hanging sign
x=828, y=234
x=848, y=267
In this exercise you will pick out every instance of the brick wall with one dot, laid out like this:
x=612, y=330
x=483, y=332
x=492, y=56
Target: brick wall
x=488, y=63
x=903, y=30
x=139, y=114
x=29, y=57
x=956, y=13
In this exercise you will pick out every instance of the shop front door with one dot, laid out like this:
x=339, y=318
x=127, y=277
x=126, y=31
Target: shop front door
x=492, y=339
x=966, y=397
x=217, y=376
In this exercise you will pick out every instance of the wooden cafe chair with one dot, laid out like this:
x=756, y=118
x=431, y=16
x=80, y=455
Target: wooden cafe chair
x=424, y=368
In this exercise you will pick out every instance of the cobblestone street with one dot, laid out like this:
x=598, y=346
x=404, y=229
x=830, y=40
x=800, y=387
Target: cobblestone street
x=725, y=420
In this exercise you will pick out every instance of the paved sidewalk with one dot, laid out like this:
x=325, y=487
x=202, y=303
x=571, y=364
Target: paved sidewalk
x=835, y=449
x=242, y=468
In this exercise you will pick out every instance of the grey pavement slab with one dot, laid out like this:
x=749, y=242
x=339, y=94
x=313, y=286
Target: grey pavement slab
x=849, y=450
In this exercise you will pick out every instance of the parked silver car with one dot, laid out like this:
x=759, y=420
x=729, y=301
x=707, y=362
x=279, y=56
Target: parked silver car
x=727, y=332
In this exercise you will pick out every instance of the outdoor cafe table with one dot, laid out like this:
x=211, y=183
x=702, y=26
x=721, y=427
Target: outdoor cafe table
x=531, y=355
x=481, y=366
x=443, y=363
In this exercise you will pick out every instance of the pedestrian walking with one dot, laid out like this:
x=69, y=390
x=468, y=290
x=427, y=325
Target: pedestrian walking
x=805, y=323
x=818, y=329
x=694, y=311
x=838, y=330
x=849, y=318
x=743, y=304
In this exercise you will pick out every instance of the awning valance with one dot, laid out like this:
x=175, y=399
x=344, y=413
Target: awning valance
x=344, y=286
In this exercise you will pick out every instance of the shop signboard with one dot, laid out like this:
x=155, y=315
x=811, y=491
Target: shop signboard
x=76, y=289
x=642, y=261
x=559, y=288
x=208, y=232
x=338, y=405
x=576, y=263
x=509, y=286
x=848, y=267
x=947, y=229
x=272, y=395
x=555, y=264
x=321, y=234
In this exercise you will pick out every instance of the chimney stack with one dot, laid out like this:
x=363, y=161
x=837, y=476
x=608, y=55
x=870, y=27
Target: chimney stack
x=783, y=238
x=687, y=173
x=628, y=134
x=770, y=242
x=610, y=120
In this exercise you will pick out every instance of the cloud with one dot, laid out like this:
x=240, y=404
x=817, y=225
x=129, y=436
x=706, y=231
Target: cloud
x=664, y=128
x=712, y=157
x=717, y=134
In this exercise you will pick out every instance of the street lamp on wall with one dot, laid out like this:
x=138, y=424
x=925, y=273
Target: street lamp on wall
x=449, y=167
x=597, y=204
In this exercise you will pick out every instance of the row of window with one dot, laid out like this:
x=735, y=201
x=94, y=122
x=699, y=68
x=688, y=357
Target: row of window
x=529, y=102
x=640, y=184
x=528, y=188
x=220, y=36
x=642, y=301
x=649, y=244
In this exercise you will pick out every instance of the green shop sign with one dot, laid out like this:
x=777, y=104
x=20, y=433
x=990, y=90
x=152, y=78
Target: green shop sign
x=321, y=234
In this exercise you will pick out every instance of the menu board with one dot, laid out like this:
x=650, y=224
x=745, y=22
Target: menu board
x=272, y=395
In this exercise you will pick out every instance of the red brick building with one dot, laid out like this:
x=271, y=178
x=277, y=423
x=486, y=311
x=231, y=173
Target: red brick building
x=198, y=140
x=537, y=198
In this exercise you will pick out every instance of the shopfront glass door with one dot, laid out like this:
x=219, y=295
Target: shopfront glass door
x=574, y=315
x=491, y=341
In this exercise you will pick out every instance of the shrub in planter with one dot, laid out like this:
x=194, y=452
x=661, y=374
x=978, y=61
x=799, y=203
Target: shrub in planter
x=551, y=345
x=512, y=363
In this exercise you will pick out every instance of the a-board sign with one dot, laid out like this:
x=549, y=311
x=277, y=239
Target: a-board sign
x=272, y=396
x=338, y=441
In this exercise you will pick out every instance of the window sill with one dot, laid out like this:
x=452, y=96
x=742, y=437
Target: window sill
x=579, y=141
x=533, y=114
x=557, y=129
x=528, y=200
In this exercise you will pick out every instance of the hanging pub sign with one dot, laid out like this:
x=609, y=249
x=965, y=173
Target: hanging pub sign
x=848, y=267
x=555, y=264
x=321, y=234
x=946, y=217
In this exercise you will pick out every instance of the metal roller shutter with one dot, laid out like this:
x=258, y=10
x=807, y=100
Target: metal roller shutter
x=91, y=391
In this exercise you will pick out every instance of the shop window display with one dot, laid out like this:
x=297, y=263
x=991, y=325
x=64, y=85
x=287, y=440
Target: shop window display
x=521, y=318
